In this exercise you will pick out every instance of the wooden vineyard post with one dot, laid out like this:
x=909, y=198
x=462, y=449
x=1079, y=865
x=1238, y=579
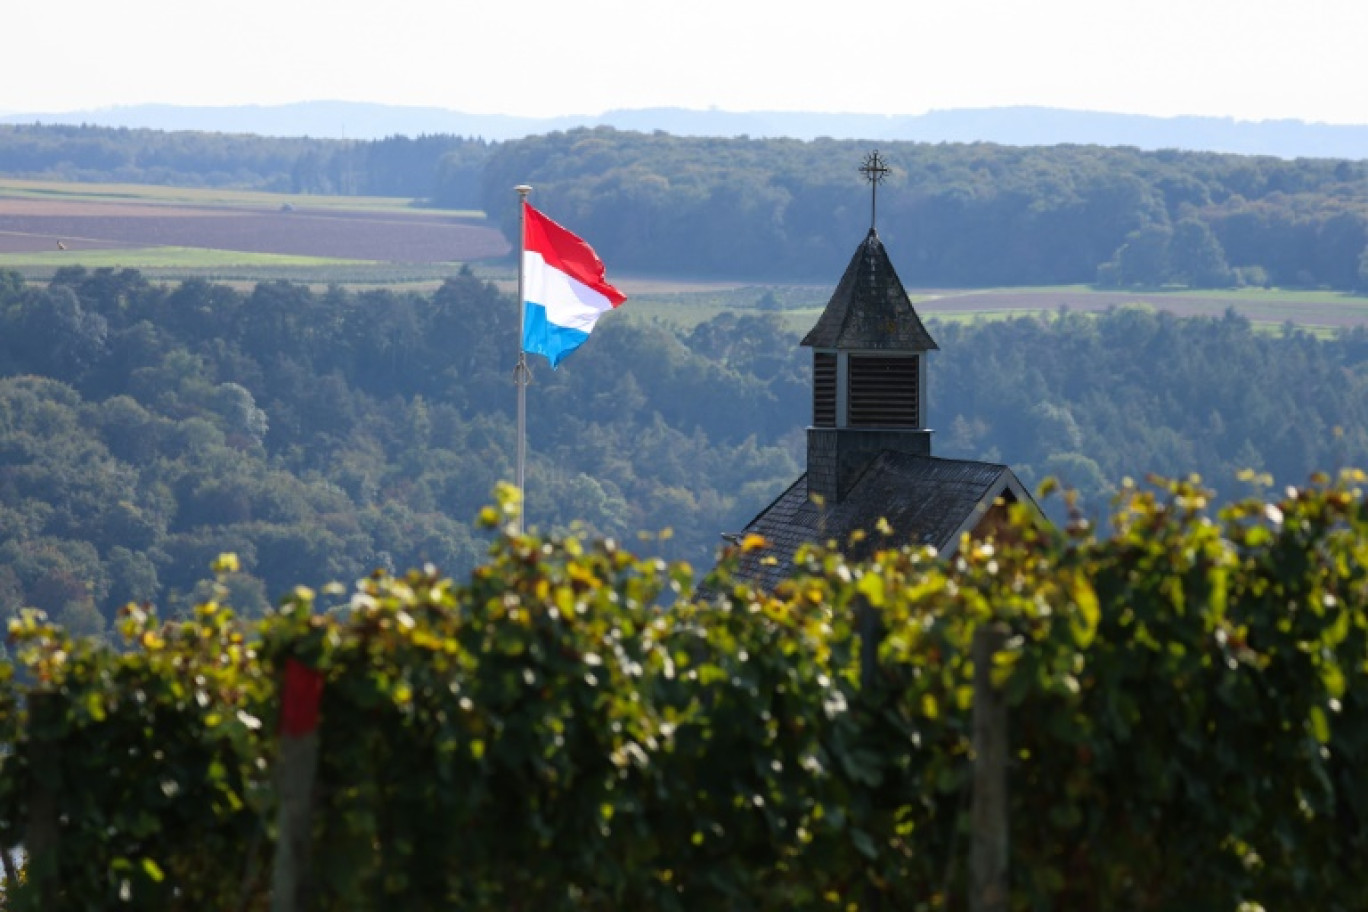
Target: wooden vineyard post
x=43, y=829
x=988, y=851
x=868, y=624
x=297, y=764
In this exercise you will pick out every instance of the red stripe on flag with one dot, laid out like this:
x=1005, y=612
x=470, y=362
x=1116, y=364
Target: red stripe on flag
x=567, y=252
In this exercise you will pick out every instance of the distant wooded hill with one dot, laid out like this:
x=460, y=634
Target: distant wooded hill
x=950, y=214
x=784, y=209
x=1018, y=126
x=397, y=166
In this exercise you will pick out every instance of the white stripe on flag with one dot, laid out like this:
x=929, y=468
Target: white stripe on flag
x=568, y=302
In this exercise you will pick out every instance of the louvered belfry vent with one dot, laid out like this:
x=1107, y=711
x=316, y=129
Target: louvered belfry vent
x=883, y=391
x=824, y=389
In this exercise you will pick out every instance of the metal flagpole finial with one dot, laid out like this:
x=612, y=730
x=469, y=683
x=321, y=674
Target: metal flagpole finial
x=874, y=170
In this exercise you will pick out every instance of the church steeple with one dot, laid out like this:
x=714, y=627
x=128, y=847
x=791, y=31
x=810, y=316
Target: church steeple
x=869, y=462
x=868, y=369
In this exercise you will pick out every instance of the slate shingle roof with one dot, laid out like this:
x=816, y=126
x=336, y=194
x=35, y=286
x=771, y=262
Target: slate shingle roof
x=925, y=500
x=870, y=308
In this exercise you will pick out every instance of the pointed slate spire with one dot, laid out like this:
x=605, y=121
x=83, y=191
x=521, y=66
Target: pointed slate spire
x=870, y=310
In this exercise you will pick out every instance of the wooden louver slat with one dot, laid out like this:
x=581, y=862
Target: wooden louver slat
x=883, y=391
x=823, y=389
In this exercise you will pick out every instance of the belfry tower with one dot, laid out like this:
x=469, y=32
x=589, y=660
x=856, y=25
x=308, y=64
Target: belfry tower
x=868, y=374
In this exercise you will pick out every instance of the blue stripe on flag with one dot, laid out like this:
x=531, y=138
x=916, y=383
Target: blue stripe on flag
x=542, y=337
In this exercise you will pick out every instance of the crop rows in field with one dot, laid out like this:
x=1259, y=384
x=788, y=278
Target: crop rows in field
x=29, y=226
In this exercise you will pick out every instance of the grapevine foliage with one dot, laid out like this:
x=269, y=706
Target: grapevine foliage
x=576, y=728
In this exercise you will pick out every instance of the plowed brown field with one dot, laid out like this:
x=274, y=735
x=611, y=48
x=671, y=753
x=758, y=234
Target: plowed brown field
x=28, y=225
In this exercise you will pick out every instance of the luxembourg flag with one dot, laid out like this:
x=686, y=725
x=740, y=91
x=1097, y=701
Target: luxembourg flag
x=564, y=288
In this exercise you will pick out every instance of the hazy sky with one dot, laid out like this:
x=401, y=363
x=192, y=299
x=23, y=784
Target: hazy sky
x=1249, y=59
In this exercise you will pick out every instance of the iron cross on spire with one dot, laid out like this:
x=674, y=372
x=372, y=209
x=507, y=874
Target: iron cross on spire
x=874, y=171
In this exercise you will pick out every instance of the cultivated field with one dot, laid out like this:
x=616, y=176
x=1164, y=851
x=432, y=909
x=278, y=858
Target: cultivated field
x=44, y=226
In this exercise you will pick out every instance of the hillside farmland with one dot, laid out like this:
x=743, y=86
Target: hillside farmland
x=29, y=225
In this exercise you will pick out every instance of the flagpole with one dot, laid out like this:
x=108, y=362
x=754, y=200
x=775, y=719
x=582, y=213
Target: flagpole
x=522, y=374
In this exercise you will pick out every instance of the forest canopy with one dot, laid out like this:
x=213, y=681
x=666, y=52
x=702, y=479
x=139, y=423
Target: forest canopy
x=146, y=428
x=960, y=214
x=395, y=166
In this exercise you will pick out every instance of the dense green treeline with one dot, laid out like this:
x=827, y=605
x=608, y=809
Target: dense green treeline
x=319, y=435
x=966, y=215
x=959, y=214
x=1130, y=392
